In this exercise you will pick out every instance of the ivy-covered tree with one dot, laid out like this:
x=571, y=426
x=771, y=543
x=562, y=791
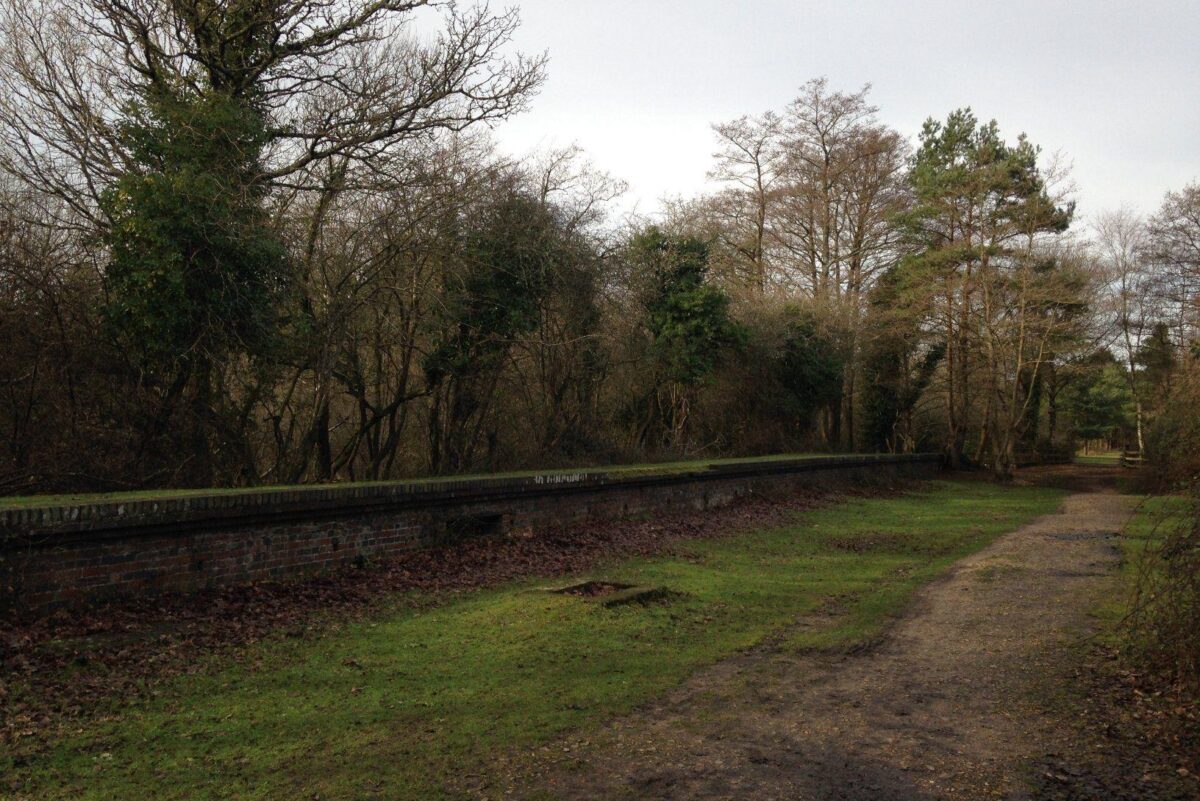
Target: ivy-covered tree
x=899, y=361
x=809, y=367
x=511, y=254
x=194, y=266
x=687, y=319
x=166, y=131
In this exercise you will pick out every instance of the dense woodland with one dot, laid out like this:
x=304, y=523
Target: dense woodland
x=271, y=241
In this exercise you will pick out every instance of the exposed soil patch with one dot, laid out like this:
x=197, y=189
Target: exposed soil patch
x=1070, y=477
x=54, y=671
x=879, y=541
x=962, y=700
x=1079, y=477
x=594, y=589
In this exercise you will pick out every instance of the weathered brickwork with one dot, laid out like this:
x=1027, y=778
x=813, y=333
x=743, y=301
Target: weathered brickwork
x=68, y=556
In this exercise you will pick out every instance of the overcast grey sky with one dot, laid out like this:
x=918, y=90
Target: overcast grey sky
x=1115, y=85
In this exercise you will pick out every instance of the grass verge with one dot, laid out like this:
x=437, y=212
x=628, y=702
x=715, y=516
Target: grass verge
x=617, y=471
x=1148, y=524
x=1100, y=459
x=399, y=706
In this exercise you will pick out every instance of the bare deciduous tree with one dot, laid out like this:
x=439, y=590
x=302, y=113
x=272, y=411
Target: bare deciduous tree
x=335, y=79
x=749, y=162
x=1132, y=294
x=1174, y=246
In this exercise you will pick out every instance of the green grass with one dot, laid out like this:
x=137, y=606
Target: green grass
x=645, y=468
x=398, y=706
x=1146, y=526
x=1109, y=459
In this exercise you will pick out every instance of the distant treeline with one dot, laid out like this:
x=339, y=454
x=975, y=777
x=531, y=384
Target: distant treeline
x=262, y=243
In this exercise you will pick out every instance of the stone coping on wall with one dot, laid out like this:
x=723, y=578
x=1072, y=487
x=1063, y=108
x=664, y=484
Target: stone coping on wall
x=55, y=523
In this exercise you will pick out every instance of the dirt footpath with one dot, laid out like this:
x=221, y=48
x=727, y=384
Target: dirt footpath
x=952, y=705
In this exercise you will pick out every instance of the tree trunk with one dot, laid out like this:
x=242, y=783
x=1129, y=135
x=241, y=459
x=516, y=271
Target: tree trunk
x=1006, y=459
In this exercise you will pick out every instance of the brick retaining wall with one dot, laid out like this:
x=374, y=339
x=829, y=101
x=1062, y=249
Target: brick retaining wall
x=57, y=556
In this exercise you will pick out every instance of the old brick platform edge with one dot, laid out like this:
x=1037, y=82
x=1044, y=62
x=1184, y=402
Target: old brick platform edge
x=73, y=555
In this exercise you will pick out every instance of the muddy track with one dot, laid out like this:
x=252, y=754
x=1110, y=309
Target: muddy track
x=951, y=705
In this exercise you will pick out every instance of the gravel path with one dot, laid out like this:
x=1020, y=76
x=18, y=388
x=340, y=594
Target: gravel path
x=952, y=704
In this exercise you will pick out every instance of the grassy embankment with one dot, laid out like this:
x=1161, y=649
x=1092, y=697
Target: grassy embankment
x=1107, y=458
x=1145, y=527
x=398, y=706
x=643, y=469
